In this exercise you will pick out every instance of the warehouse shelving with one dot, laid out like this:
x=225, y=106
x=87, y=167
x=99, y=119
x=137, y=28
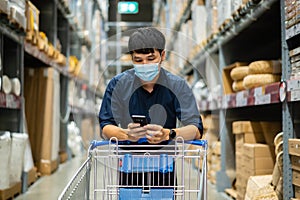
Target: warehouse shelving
x=57, y=21
x=290, y=40
x=176, y=27
x=11, y=52
x=245, y=37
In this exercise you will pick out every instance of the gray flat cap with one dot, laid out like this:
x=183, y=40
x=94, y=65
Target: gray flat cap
x=148, y=37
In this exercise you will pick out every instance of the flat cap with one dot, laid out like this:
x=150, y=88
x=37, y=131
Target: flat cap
x=147, y=37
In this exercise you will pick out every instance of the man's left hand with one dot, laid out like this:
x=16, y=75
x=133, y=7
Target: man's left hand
x=155, y=133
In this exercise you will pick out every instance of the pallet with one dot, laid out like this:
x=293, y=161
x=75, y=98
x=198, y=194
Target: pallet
x=47, y=168
x=32, y=176
x=11, y=192
x=231, y=192
x=63, y=157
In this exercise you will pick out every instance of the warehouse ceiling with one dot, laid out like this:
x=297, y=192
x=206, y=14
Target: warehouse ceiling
x=129, y=21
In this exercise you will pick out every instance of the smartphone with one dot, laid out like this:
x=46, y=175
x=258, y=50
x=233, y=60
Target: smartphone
x=141, y=119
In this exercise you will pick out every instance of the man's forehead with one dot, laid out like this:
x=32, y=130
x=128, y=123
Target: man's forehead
x=143, y=55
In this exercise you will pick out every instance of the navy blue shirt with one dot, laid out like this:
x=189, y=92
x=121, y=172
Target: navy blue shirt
x=171, y=99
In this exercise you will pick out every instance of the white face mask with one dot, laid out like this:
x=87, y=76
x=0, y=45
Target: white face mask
x=146, y=72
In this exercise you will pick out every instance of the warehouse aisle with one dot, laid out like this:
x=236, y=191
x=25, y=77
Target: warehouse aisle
x=49, y=187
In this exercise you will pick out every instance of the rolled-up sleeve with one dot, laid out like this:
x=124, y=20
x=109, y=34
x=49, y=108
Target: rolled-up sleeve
x=187, y=108
x=105, y=114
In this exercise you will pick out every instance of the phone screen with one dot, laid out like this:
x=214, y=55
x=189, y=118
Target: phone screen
x=141, y=119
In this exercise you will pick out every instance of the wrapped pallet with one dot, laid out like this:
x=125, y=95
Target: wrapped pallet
x=42, y=114
x=5, y=144
x=18, y=145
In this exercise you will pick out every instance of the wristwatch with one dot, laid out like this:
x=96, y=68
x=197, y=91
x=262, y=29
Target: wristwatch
x=172, y=134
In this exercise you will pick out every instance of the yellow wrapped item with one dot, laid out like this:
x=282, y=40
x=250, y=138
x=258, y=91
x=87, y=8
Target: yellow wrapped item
x=238, y=73
x=256, y=80
x=265, y=67
x=238, y=86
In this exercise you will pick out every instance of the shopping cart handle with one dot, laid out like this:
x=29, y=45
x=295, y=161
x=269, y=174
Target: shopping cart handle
x=97, y=143
x=202, y=143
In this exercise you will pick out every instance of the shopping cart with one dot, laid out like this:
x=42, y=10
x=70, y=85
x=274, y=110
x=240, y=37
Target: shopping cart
x=145, y=172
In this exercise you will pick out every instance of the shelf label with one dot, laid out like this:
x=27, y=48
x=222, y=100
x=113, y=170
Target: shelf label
x=263, y=99
x=297, y=29
x=258, y=91
x=241, y=102
x=290, y=32
x=226, y=99
x=10, y=101
x=293, y=84
x=295, y=95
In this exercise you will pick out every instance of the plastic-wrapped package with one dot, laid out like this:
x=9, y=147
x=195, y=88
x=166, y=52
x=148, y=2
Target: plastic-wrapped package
x=5, y=143
x=18, y=144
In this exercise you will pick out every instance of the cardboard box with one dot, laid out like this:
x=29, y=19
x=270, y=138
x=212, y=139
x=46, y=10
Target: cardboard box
x=294, y=147
x=250, y=138
x=227, y=81
x=296, y=177
x=295, y=160
x=297, y=191
x=241, y=180
x=258, y=163
x=258, y=185
x=270, y=130
x=239, y=127
x=239, y=142
x=255, y=172
x=32, y=15
x=257, y=150
x=238, y=161
x=217, y=148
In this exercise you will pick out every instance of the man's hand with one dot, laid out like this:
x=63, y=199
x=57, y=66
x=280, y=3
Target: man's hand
x=135, y=132
x=156, y=134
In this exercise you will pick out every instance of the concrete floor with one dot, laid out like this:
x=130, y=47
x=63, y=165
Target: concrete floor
x=50, y=187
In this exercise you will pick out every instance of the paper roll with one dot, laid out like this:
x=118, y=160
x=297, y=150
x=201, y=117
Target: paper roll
x=16, y=86
x=6, y=85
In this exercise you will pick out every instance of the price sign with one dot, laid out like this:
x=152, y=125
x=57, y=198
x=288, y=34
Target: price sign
x=263, y=99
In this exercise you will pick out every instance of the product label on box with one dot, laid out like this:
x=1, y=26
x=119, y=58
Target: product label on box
x=289, y=33
x=295, y=95
x=293, y=85
x=263, y=99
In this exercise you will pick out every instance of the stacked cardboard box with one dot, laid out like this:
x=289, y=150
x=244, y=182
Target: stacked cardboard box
x=252, y=156
x=215, y=161
x=211, y=124
x=294, y=151
x=211, y=134
x=295, y=63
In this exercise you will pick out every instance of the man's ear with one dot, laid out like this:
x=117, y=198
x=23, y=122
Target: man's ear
x=163, y=55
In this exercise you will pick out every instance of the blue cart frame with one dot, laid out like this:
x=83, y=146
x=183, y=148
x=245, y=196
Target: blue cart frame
x=99, y=176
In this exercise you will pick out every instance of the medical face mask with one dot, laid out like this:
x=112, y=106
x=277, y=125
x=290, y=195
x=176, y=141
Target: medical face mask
x=146, y=72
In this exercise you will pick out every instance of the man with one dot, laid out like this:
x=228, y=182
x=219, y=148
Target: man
x=151, y=91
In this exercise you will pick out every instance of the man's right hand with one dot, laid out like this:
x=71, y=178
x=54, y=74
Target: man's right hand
x=135, y=132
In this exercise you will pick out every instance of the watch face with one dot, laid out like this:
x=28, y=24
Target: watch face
x=172, y=134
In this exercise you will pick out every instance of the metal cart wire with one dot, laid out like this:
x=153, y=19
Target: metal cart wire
x=111, y=171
